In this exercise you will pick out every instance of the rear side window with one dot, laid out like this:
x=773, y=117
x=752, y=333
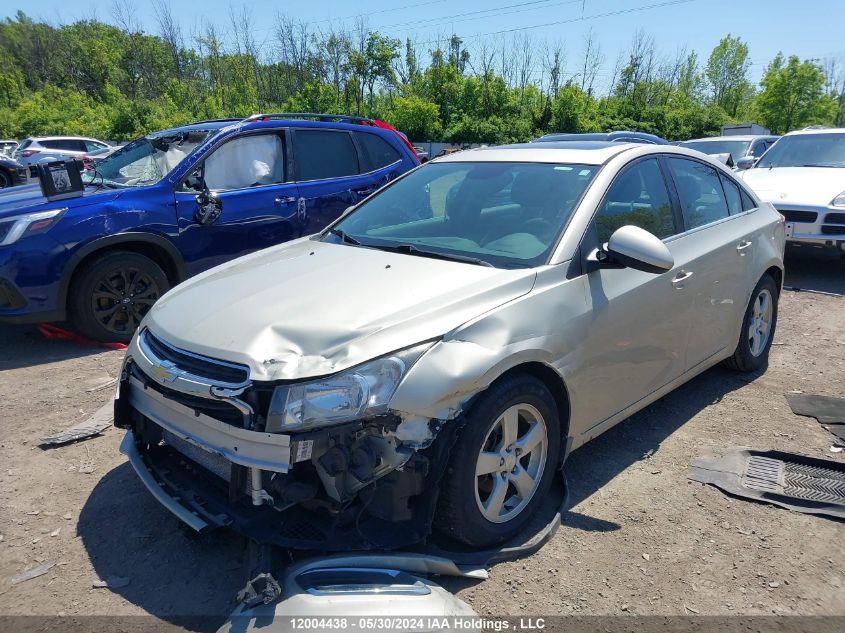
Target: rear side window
x=67, y=144
x=639, y=197
x=322, y=154
x=700, y=192
x=732, y=195
x=377, y=152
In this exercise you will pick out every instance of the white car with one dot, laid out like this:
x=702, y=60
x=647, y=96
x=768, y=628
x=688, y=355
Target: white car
x=45, y=149
x=803, y=176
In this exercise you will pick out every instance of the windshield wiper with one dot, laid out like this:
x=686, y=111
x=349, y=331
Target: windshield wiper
x=345, y=237
x=410, y=249
x=824, y=165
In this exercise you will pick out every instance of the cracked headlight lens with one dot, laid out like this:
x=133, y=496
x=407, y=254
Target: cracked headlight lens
x=360, y=392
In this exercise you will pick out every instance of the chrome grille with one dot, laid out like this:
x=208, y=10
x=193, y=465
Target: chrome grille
x=212, y=369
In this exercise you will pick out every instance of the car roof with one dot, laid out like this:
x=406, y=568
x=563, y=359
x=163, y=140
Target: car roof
x=199, y=126
x=576, y=152
x=602, y=136
x=733, y=137
x=59, y=138
x=817, y=130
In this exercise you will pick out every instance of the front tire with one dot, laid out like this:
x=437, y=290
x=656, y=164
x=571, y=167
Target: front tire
x=5, y=180
x=502, y=465
x=758, y=328
x=112, y=293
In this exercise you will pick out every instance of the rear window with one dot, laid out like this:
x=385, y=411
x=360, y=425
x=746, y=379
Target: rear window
x=322, y=154
x=377, y=152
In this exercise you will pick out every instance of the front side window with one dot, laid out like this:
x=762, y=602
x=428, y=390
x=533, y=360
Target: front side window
x=322, y=154
x=638, y=197
x=144, y=161
x=700, y=192
x=244, y=162
x=806, y=150
x=501, y=214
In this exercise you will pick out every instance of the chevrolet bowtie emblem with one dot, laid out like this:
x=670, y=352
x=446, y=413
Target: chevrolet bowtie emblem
x=164, y=372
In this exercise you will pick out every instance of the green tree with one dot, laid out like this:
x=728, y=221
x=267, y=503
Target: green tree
x=727, y=74
x=416, y=117
x=793, y=95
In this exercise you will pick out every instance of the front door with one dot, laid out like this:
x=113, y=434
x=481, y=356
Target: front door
x=635, y=341
x=259, y=207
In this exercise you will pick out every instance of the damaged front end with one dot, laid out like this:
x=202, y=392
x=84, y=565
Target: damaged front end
x=321, y=465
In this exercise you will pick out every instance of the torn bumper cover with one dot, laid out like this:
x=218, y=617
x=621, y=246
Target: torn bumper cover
x=354, y=485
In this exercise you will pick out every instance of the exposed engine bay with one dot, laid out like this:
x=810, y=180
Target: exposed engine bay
x=350, y=486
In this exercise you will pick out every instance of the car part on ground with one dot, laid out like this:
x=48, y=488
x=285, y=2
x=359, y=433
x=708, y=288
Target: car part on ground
x=102, y=419
x=790, y=480
x=267, y=177
x=432, y=357
x=367, y=593
x=829, y=411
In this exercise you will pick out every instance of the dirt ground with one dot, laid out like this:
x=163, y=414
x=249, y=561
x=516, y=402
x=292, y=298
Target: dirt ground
x=639, y=538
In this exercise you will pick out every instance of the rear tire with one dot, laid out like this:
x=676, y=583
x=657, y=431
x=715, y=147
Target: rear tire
x=5, y=180
x=497, y=478
x=112, y=293
x=758, y=328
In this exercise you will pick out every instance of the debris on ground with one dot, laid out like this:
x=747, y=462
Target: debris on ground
x=56, y=333
x=790, y=480
x=827, y=410
x=94, y=425
x=111, y=582
x=34, y=572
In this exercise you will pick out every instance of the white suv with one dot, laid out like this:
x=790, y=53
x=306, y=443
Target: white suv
x=803, y=176
x=44, y=149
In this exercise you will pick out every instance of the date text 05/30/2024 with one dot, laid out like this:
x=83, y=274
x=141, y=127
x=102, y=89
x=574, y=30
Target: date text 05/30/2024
x=421, y=623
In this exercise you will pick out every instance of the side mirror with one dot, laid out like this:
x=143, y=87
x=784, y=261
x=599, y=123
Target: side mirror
x=209, y=207
x=636, y=248
x=746, y=162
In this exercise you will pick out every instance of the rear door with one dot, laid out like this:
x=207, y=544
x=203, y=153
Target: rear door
x=249, y=174
x=716, y=242
x=336, y=169
x=636, y=339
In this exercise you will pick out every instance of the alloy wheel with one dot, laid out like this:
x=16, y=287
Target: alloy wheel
x=511, y=462
x=122, y=297
x=760, y=327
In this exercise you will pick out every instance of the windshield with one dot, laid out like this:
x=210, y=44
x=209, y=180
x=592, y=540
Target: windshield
x=500, y=214
x=144, y=161
x=806, y=150
x=737, y=149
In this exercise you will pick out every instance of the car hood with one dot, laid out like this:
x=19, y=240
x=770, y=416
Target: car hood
x=24, y=198
x=309, y=308
x=800, y=185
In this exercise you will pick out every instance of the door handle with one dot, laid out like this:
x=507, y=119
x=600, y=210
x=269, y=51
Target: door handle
x=681, y=277
x=365, y=191
x=743, y=245
x=280, y=201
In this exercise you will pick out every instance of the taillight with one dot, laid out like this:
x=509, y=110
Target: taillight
x=29, y=152
x=387, y=126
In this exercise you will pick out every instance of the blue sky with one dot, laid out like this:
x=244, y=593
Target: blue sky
x=810, y=29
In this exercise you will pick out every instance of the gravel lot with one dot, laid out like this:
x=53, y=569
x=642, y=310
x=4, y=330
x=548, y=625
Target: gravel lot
x=639, y=537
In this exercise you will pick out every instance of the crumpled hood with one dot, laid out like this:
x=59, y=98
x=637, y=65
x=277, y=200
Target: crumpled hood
x=28, y=197
x=801, y=185
x=308, y=308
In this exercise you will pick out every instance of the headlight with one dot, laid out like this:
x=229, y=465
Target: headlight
x=356, y=393
x=12, y=229
x=839, y=201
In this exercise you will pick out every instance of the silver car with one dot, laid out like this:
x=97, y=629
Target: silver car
x=431, y=359
x=43, y=149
